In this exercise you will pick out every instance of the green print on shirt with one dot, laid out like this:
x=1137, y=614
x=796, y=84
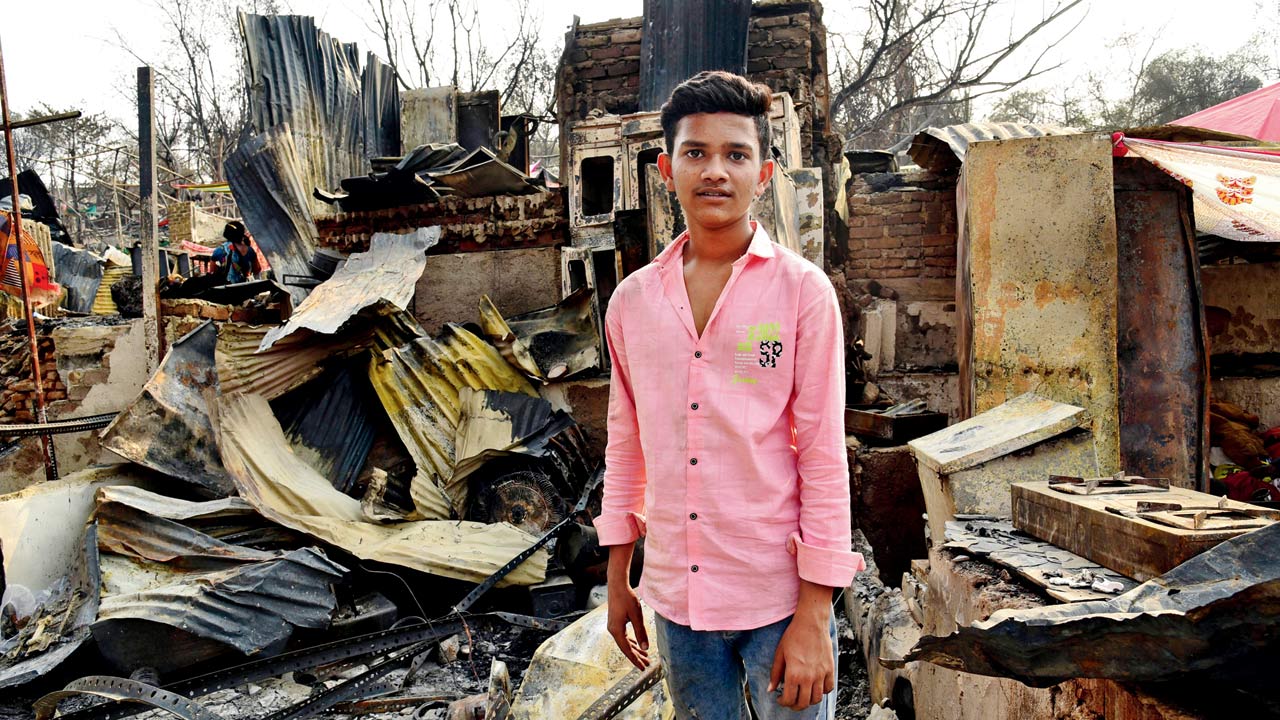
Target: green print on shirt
x=761, y=349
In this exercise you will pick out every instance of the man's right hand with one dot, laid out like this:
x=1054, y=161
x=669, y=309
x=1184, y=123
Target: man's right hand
x=624, y=609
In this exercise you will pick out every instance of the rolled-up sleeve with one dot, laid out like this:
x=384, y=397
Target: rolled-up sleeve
x=621, y=518
x=822, y=546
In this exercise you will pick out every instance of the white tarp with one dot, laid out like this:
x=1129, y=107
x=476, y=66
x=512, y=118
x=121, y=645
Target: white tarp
x=1236, y=193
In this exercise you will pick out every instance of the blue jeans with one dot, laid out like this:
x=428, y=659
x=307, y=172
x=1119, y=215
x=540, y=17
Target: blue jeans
x=706, y=671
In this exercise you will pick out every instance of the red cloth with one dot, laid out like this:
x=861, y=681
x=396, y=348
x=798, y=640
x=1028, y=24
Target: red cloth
x=1255, y=115
x=1245, y=487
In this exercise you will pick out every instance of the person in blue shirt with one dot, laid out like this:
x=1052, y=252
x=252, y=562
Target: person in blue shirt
x=236, y=257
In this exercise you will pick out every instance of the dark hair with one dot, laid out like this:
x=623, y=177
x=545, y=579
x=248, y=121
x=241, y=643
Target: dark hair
x=234, y=231
x=713, y=91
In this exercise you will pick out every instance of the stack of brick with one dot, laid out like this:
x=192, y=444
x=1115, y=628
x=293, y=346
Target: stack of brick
x=600, y=69
x=902, y=226
x=17, y=388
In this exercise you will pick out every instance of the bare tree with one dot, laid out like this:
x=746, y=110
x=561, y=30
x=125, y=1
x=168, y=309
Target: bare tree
x=921, y=62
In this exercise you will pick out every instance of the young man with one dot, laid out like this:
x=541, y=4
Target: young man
x=726, y=433
x=236, y=257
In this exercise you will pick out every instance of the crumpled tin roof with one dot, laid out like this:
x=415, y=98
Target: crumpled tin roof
x=289, y=364
x=385, y=276
x=418, y=384
x=285, y=490
x=80, y=272
x=938, y=149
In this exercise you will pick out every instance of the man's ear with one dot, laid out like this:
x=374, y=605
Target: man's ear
x=664, y=169
x=766, y=174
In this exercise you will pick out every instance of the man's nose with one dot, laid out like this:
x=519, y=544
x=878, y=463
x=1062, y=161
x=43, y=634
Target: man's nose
x=715, y=169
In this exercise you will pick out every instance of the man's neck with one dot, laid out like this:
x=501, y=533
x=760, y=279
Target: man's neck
x=722, y=245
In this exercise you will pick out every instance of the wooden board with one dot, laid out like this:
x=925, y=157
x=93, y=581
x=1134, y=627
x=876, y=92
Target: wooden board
x=1132, y=546
x=1019, y=423
x=897, y=429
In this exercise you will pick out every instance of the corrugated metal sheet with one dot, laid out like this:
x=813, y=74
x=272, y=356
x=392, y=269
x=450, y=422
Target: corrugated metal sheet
x=553, y=343
x=274, y=200
x=288, y=365
x=286, y=490
x=418, y=384
x=384, y=277
x=329, y=425
x=303, y=79
x=111, y=274
x=149, y=527
x=939, y=149
x=251, y=607
x=167, y=428
x=684, y=37
x=80, y=272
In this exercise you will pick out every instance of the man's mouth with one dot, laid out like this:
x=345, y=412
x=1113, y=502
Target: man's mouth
x=713, y=193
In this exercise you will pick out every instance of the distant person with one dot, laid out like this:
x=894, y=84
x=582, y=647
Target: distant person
x=236, y=258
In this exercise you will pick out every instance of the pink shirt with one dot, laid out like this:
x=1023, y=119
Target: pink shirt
x=727, y=451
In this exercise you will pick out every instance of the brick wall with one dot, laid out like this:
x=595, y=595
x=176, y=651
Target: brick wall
x=17, y=388
x=468, y=224
x=600, y=68
x=901, y=226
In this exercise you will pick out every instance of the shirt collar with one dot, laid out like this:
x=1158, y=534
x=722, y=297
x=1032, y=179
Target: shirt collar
x=761, y=245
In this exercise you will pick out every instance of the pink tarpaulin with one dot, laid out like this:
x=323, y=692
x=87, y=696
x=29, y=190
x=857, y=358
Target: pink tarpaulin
x=1255, y=114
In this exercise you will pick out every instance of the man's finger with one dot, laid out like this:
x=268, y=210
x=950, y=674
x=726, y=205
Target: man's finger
x=790, y=691
x=775, y=675
x=637, y=624
x=828, y=683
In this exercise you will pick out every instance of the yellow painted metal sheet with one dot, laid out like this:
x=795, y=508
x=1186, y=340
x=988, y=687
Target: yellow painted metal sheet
x=102, y=302
x=290, y=363
x=287, y=491
x=418, y=384
x=1039, y=278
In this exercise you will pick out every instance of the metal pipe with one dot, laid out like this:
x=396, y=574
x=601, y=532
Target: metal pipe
x=29, y=122
x=46, y=441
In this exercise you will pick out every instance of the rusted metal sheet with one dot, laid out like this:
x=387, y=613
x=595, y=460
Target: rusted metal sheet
x=681, y=38
x=939, y=149
x=550, y=344
x=427, y=116
x=1211, y=617
x=167, y=427
x=418, y=384
x=1038, y=281
x=286, y=490
x=383, y=277
x=1161, y=336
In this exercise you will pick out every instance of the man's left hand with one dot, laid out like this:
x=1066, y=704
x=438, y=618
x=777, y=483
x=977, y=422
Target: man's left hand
x=804, y=661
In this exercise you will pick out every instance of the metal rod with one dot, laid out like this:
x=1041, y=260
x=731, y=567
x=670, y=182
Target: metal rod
x=46, y=441
x=29, y=122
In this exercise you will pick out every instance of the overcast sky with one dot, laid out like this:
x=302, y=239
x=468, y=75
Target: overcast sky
x=64, y=52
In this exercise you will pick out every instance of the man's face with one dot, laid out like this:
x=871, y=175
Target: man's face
x=717, y=169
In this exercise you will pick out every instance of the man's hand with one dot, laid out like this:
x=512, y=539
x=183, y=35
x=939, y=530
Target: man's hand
x=624, y=608
x=805, y=661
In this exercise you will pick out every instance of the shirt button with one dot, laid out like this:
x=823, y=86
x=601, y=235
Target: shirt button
x=698, y=354
x=693, y=461
x=694, y=406
x=694, y=568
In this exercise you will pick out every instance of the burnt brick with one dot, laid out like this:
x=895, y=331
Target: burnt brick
x=594, y=71
x=776, y=21
x=792, y=61
x=863, y=233
x=624, y=67
x=756, y=65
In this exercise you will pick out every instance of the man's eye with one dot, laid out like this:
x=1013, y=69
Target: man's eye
x=694, y=154
x=737, y=156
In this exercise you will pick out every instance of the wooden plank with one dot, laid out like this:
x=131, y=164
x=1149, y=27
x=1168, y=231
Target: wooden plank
x=1019, y=423
x=894, y=428
x=1108, y=530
